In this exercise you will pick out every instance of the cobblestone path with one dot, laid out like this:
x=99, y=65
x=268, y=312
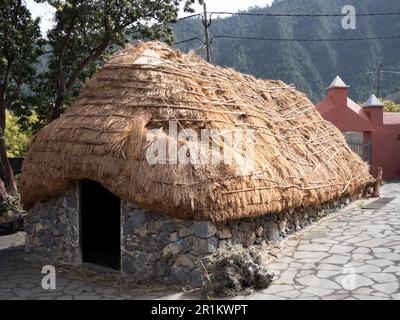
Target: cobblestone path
x=354, y=254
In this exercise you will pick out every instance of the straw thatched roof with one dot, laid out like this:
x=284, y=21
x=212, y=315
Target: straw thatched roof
x=299, y=158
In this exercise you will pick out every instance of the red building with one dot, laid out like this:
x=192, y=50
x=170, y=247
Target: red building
x=372, y=133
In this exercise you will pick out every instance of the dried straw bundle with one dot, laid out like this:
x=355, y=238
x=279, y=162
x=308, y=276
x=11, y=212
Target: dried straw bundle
x=299, y=158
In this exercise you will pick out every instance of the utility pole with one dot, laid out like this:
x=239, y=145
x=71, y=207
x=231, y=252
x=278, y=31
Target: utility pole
x=378, y=85
x=207, y=23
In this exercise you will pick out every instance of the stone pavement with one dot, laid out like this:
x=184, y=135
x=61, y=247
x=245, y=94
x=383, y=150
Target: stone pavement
x=20, y=278
x=353, y=254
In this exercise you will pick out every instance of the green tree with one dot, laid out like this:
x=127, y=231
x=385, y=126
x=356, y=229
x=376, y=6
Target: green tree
x=85, y=30
x=20, y=47
x=390, y=106
x=17, y=137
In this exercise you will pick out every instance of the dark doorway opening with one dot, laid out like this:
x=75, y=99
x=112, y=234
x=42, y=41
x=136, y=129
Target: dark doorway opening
x=100, y=225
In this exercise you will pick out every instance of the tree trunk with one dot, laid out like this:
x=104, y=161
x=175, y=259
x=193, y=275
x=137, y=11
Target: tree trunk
x=11, y=184
x=3, y=192
x=58, y=105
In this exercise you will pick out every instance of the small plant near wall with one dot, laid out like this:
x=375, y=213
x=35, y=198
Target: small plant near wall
x=11, y=215
x=10, y=204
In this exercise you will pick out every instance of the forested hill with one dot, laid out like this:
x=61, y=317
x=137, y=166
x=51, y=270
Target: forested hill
x=311, y=66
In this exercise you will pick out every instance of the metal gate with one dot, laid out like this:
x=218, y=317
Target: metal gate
x=355, y=140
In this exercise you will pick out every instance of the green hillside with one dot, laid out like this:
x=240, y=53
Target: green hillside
x=310, y=66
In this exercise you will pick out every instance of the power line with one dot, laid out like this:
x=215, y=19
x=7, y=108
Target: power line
x=305, y=14
x=364, y=14
x=396, y=68
x=396, y=72
x=303, y=39
x=188, y=40
x=290, y=39
x=289, y=14
x=208, y=40
x=190, y=16
x=396, y=65
x=380, y=70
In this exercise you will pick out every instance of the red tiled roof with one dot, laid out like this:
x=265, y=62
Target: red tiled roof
x=391, y=118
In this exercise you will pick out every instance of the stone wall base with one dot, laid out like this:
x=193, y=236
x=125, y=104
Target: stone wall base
x=52, y=229
x=155, y=247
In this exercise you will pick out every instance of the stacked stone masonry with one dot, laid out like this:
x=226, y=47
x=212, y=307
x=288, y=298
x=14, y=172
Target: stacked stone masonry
x=155, y=247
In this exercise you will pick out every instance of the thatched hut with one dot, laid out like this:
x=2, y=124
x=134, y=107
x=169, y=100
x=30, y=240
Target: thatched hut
x=96, y=196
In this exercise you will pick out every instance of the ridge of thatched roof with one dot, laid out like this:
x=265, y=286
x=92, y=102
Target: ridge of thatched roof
x=299, y=159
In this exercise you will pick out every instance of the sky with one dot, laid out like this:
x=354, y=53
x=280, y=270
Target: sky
x=45, y=12
x=229, y=5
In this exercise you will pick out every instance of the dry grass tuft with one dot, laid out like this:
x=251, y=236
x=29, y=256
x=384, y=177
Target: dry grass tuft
x=236, y=270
